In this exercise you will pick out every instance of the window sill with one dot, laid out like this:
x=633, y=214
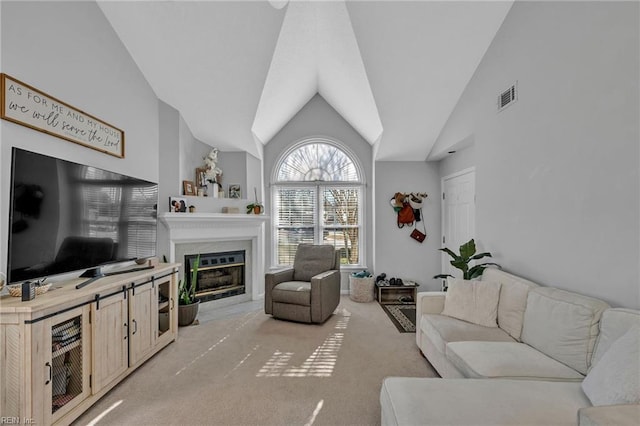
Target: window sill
x=343, y=268
x=353, y=268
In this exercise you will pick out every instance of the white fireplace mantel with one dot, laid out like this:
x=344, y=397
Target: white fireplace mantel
x=186, y=228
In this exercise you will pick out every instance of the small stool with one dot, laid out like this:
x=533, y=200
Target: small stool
x=361, y=289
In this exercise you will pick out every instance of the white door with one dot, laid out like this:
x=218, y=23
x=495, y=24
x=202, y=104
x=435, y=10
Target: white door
x=458, y=214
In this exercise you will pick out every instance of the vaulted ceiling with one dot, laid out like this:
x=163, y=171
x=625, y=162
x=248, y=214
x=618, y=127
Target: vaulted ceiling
x=239, y=71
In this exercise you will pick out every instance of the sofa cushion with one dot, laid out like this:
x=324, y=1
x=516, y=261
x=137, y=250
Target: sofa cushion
x=420, y=401
x=311, y=260
x=615, y=379
x=441, y=329
x=513, y=299
x=293, y=292
x=563, y=325
x=472, y=301
x=614, y=323
x=507, y=360
x=618, y=415
x=292, y=312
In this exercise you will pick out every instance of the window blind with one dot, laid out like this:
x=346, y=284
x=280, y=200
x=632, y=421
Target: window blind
x=316, y=199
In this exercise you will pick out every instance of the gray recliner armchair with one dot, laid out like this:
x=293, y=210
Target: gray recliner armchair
x=310, y=291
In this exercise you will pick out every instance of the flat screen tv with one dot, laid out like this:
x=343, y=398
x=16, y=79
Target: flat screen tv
x=68, y=217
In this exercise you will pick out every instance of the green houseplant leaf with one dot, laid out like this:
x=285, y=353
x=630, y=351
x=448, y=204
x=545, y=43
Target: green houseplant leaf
x=481, y=255
x=187, y=295
x=462, y=264
x=449, y=252
x=443, y=276
x=468, y=249
x=461, y=261
x=477, y=270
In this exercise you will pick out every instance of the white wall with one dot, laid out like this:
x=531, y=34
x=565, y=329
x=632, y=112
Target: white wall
x=234, y=171
x=318, y=118
x=558, y=191
x=69, y=51
x=190, y=155
x=181, y=153
x=254, y=178
x=170, y=177
x=397, y=254
x=458, y=161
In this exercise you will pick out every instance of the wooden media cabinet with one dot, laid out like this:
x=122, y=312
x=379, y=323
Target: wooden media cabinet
x=65, y=349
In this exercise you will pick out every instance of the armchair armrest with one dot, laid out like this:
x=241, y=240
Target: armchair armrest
x=325, y=288
x=325, y=274
x=272, y=279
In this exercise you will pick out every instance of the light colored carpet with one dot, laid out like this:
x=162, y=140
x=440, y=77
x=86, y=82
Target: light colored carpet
x=251, y=369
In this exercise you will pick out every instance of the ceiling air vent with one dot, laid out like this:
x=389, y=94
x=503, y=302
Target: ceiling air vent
x=508, y=97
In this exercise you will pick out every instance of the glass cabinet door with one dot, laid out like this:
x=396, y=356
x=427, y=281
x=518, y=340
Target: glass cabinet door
x=68, y=367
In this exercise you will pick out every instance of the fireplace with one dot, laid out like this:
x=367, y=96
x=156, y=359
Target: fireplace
x=220, y=274
x=182, y=234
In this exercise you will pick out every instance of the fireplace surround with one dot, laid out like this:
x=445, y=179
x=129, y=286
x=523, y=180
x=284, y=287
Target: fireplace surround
x=193, y=233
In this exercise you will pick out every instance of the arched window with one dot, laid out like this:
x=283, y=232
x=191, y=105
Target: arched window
x=317, y=198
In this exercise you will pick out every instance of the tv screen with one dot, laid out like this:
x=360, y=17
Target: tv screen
x=66, y=217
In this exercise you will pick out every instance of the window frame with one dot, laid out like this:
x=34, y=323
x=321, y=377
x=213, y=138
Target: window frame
x=319, y=187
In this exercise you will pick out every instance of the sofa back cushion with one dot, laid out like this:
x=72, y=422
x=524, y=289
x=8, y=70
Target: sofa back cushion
x=615, y=379
x=472, y=301
x=513, y=299
x=563, y=325
x=614, y=323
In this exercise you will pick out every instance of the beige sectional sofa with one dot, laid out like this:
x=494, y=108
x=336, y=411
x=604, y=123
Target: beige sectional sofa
x=528, y=368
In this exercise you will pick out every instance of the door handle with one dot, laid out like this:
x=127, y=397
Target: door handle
x=126, y=330
x=50, y=373
x=135, y=328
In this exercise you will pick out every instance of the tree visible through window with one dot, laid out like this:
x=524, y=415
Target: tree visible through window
x=317, y=199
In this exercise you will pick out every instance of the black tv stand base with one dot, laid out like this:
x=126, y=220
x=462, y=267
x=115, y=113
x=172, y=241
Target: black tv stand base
x=96, y=274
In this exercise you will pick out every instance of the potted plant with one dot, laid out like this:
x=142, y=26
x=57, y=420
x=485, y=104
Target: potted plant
x=255, y=207
x=187, y=302
x=461, y=261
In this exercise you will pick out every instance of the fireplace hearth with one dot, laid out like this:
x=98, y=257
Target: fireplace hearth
x=220, y=274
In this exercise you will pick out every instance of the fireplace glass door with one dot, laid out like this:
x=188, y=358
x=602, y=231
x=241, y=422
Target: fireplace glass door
x=220, y=274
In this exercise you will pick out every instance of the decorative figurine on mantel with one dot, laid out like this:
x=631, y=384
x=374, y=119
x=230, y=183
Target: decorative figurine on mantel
x=213, y=173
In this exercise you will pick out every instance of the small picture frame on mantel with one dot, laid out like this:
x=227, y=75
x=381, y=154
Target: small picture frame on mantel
x=188, y=187
x=177, y=204
x=235, y=190
x=201, y=177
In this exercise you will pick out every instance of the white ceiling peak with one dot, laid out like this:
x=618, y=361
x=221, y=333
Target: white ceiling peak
x=316, y=52
x=237, y=72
